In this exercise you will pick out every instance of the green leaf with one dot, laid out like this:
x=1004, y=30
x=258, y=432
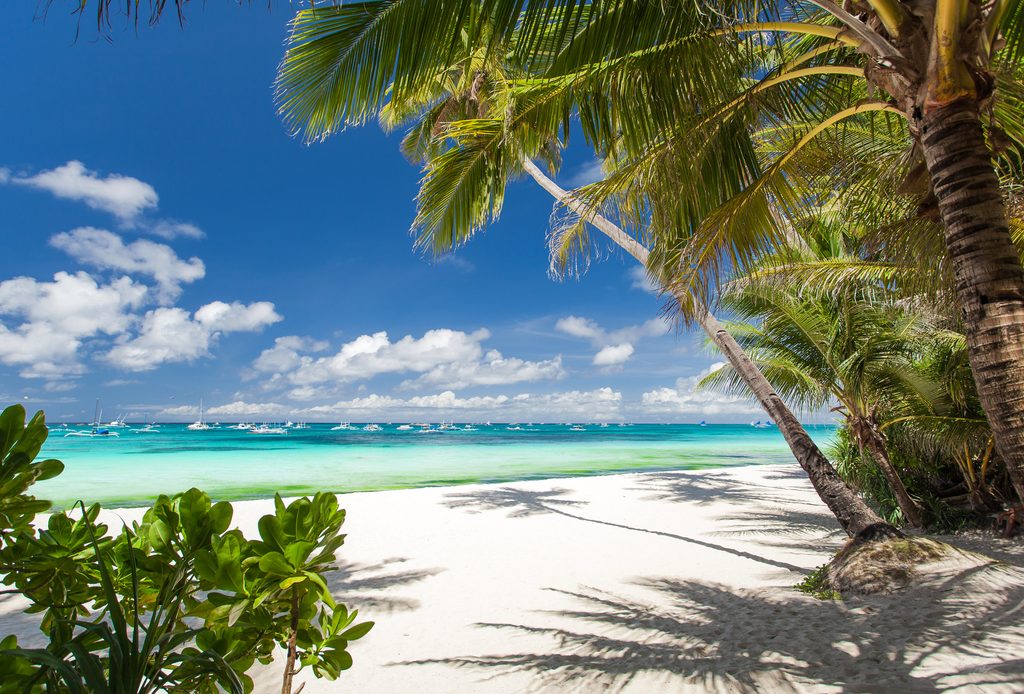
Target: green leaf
x=291, y=581
x=275, y=563
x=356, y=632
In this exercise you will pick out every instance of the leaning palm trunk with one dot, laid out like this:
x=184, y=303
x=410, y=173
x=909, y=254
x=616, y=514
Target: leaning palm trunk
x=871, y=441
x=989, y=276
x=853, y=514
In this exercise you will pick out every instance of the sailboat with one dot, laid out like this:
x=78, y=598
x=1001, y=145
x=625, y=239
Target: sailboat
x=199, y=424
x=96, y=430
x=147, y=429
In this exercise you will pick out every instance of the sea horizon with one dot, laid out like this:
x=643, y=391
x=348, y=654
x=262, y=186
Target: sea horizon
x=135, y=467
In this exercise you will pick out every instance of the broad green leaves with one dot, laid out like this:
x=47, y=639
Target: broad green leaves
x=176, y=602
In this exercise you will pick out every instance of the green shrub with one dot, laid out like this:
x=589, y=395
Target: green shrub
x=177, y=602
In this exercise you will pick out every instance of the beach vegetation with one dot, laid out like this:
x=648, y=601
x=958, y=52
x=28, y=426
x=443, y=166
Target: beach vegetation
x=816, y=585
x=178, y=601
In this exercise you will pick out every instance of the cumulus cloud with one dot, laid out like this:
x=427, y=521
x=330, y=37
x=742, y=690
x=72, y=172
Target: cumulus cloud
x=688, y=398
x=613, y=355
x=108, y=251
x=442, y=358
x=615, y=347
x=173, y=335
x=47, y=321
x=123, y=196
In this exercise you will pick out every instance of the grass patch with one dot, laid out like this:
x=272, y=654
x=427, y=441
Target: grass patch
x=817, y=585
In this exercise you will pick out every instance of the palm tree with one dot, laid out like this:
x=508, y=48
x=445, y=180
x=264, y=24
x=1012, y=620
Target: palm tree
x=950, y=69
x=329, y=78
x=824, y=347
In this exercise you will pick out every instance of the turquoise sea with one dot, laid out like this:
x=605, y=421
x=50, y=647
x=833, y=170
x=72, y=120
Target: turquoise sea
x=232, y=464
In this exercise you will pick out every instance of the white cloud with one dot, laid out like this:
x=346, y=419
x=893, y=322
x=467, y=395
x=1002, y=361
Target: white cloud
x=284, y=355
x=613, y=355
x=615, y=347
x=639, y=279
x=493, y=369
x=108, y=251
x=598, y=404
x=688, y=398
x=441, y=357
x=123, y=196
x=580, y=327
x=52, y=318
x=586, y=174
x=172, y=335
x=171, y=229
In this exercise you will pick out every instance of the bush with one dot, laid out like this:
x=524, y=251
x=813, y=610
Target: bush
x=177, y=602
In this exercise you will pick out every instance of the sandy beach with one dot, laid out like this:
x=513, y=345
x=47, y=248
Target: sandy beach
x=658, y=582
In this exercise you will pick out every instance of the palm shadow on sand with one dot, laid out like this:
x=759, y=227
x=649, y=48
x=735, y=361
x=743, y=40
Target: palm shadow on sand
x=370, y=587
x=715, y=638
x=522, y=503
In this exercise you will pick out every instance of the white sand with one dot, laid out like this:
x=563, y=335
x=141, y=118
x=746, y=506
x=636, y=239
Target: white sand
x=667, y=582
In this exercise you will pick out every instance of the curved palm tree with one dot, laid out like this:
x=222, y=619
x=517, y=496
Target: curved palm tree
x=332, y=75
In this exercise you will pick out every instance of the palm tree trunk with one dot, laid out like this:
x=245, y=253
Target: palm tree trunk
x=853, y=514
x=870, y=440
x=989, y=276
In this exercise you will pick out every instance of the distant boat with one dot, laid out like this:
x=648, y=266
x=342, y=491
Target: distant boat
x=372, y=427
x=199, y=424
x=404, y=427
x=274, y=431
x=118, y=423
x=301, y=425
x=242, y=426
x=514, y=427
x=759, y=425
x=576, y=427
x=96, y=431
x=147, y=428
x=469, y=427
x=702, y=423
x=343, y=426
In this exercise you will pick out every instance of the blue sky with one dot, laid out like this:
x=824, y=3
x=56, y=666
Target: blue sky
x=166, y=240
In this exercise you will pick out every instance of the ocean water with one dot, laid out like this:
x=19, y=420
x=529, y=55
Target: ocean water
x=133, y=467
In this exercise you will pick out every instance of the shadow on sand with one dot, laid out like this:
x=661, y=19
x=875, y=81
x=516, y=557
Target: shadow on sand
x=717, y=639
x=522, y=503
x=369, y=587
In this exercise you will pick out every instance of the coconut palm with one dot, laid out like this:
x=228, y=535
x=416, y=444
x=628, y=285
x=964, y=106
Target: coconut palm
x=470, y=154
x=945, y=72
x=850, y=347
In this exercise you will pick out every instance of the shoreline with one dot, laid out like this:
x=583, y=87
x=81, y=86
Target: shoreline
x=670, y=581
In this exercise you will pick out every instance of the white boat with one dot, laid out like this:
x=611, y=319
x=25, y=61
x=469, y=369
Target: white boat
x=577, y=427
x=372, y=427
x=343, y=426
x=404, y=427
x=514, y=427
x=199, y=424
x=118, y=423
x=267, y=430
x=242, y=426
x=301, y=425
x=702, y=423
x=469, y=427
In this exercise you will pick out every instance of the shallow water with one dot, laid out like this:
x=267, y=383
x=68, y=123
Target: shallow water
x=232, y=464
